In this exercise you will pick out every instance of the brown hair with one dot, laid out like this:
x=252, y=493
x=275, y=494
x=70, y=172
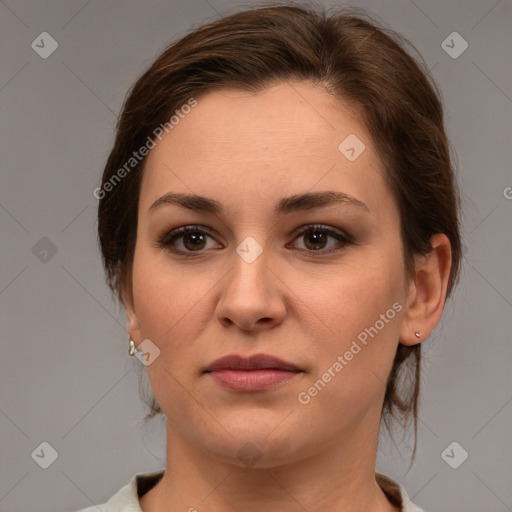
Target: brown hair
x=356, y=61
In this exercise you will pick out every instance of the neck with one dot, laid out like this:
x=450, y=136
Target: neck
x=338, y=477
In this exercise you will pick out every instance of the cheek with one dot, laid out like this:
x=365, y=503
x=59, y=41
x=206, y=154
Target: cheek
x=167, y=303
x=352, y=296
x=167, y=300
x=361, y=308
x=353, y=362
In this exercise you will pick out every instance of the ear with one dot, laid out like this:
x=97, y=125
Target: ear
x=133, y=323
x=427, y=292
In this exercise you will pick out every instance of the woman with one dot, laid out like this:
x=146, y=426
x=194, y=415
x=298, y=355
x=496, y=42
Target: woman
x=280, y=220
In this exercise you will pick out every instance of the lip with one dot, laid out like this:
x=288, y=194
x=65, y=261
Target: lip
x=254, y=362
x=259, y=372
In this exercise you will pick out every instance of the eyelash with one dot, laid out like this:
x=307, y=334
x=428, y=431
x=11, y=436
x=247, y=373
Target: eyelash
x=167, y=240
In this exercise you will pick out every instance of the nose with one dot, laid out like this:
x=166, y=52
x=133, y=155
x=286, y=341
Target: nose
x=251, y=296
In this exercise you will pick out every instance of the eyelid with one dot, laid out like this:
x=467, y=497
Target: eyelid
x=168, y=237
x=321, y=227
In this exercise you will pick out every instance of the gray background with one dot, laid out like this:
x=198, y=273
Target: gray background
x=66, y=377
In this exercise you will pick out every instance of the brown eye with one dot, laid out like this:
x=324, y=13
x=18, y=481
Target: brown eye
x=321, y=239
x=315, y=240
x=194, y=241
x=187, y=239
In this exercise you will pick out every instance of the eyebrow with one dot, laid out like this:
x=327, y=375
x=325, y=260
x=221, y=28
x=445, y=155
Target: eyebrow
x=298, y=202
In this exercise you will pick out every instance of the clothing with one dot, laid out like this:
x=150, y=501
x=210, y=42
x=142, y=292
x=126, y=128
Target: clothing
x=127, y=498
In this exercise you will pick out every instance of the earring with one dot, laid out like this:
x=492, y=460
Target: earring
x=417, y=334
x=133, y=349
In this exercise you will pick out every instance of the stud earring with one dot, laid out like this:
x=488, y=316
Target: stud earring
x=133, y=349
x=417, y=334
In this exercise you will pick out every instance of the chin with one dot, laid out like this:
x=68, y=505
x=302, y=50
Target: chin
x=258, y=445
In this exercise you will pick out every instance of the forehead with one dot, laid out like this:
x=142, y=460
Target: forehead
x=285, y=136
x=302, y=116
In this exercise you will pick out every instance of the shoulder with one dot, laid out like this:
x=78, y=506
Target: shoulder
x=127, y=498
x=396, y=493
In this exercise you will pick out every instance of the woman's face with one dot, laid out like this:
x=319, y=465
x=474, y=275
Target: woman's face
x=253, y=277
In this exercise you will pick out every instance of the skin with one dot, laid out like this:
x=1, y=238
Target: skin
x=247, y=151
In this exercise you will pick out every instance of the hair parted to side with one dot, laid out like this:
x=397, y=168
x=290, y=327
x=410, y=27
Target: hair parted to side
x=353, y=59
